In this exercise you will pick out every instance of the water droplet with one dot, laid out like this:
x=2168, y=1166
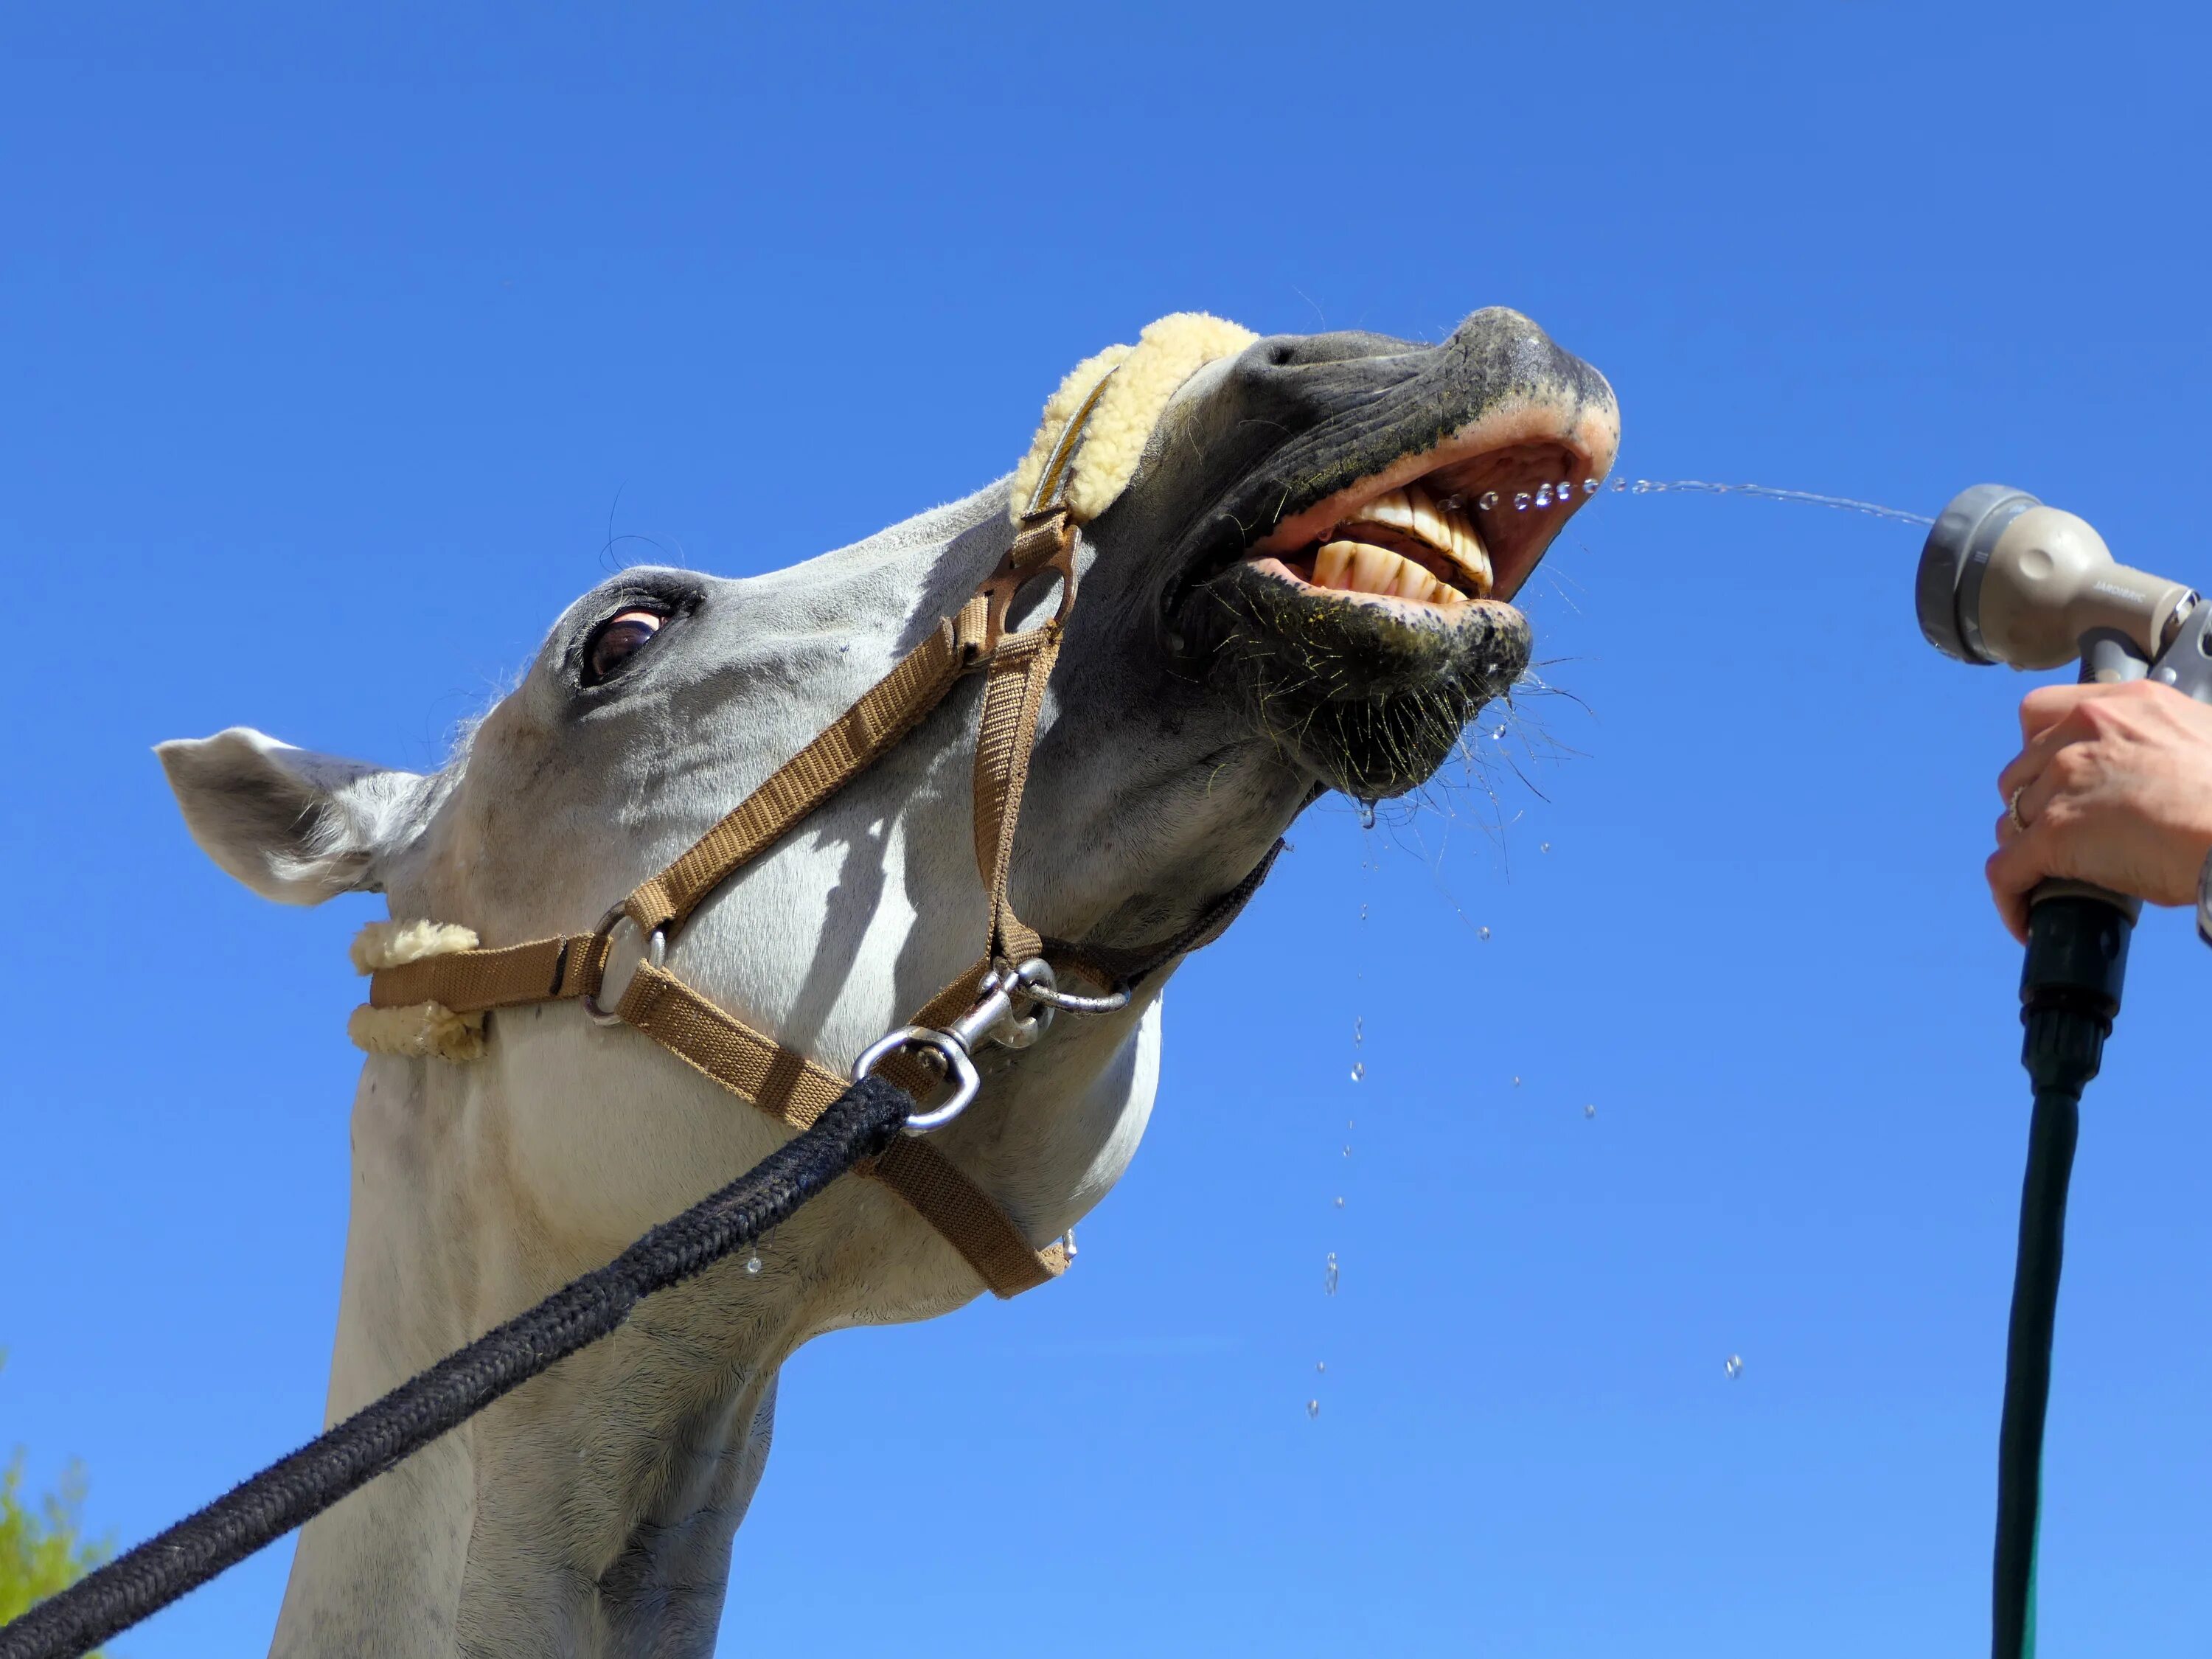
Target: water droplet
x=753, y=1265
x=1589, y=486
x=1590, y=1111
x=1516, y=1082
x=1620, y=482
x=1340, y=1203
x=1313, y=1409
x=1329, y=1276
x=1735, y=1366
x=1359, y=1028
x=1363, y=912
x=1543, y=847
x=1520, y=500
x=1563, y=490
x=1543, y=496
x=1489, y=499
x=1367, y=814
x=1321, y=1365
x=1347, y=1151
x=1482, y=932
x=1497, y=732
x=1641, y=486
x=1358, y=1070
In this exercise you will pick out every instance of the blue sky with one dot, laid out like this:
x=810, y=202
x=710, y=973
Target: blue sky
x=339, y=342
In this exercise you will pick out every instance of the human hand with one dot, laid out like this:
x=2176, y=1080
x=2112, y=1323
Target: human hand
x=2113, y=785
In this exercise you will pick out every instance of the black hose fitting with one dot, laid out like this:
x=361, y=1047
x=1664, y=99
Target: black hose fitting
x=2076, y=964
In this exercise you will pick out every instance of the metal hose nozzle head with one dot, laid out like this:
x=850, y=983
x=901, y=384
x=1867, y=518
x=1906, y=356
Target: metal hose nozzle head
x=2005, y=578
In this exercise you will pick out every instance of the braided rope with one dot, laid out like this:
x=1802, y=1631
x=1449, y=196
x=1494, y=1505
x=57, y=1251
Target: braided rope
x=861, y=1123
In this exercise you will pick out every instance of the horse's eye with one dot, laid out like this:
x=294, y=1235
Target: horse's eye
x=616, y=641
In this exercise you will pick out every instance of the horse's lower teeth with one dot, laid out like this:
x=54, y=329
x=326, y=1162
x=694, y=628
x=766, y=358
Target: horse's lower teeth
x=1361, y=568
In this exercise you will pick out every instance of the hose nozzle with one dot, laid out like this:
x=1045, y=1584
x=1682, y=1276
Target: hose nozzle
x=2005, y=578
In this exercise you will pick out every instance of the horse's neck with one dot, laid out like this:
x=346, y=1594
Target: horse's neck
x=591, y=1513
x=401, y=1542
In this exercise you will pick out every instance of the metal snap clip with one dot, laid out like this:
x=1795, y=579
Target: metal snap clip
x=1034, y=979
x=967, y=1082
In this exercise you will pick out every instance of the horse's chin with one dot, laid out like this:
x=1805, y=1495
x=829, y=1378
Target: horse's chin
x=1370, y=693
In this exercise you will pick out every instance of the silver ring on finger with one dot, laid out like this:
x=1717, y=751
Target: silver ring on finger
x=2011, y=810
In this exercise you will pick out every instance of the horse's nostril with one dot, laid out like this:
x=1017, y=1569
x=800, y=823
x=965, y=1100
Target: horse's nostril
x=1281, y=356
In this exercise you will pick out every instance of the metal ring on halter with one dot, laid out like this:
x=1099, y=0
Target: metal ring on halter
x=656, y=952
x=966, y=1080
x=1044, y=989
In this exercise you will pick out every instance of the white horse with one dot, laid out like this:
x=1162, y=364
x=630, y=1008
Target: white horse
x=1289, y=583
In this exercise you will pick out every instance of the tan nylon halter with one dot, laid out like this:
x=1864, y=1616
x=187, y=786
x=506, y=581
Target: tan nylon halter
x=783, y=1082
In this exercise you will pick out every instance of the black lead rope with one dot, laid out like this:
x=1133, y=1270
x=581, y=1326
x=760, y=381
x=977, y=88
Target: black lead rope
x=861, y=1123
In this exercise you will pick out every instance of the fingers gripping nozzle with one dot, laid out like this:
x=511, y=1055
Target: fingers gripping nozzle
x=2005, y=578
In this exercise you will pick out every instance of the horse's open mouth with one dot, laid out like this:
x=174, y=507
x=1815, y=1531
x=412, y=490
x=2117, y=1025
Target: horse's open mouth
x=1370, y=622
x=1470, y=528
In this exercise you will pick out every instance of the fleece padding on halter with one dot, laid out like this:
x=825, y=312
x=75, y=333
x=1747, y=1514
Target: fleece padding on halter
x=425, y=1029
x=1145, y=376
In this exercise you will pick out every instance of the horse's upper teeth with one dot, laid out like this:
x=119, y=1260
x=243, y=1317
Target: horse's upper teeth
x=1448, y=532
x=1353, y=566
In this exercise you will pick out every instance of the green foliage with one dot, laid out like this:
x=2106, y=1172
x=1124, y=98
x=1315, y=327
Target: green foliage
x=42, y=1549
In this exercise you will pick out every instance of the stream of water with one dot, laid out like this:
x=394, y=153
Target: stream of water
x=1551, y=494
x=1543, y=497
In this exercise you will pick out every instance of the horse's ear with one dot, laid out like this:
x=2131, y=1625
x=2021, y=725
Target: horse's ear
x=294, y=826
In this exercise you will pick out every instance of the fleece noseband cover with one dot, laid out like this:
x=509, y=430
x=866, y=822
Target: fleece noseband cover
x=1150, y=372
